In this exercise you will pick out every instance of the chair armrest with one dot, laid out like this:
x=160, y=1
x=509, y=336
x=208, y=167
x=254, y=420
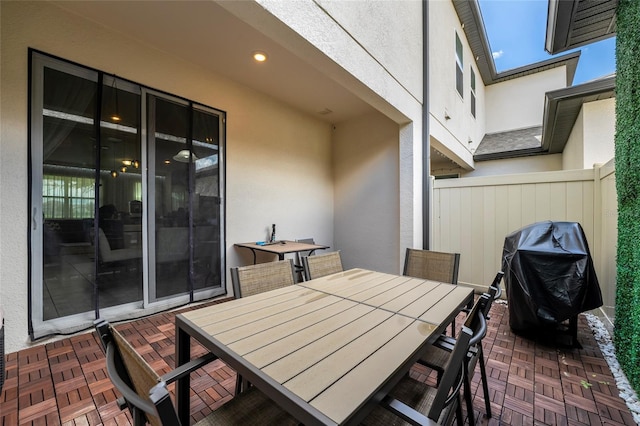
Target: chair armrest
x=159, y=395
x=187, y=368
x=129, y=394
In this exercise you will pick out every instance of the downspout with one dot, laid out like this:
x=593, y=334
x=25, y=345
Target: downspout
x=426, y=144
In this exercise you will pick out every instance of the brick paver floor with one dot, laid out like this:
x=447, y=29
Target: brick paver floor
x=65, y=382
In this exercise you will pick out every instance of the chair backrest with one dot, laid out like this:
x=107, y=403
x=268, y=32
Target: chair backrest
x=300, y=255
x=476, y=320
x=452, y=378
x=494, y=291
x=104, y=248
x=129, y=373
x=322, y=264
x=432, y=265
x=254, y=279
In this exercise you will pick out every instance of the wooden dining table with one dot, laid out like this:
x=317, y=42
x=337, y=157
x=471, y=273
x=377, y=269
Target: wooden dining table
x=326, y=350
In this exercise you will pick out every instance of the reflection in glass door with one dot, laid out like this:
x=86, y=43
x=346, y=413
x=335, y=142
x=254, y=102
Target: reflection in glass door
x=67, y=192
x=120, y=188
x=184, y=143
x=78, y=274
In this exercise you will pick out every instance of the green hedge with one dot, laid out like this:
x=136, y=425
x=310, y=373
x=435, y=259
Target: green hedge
x=627, y=140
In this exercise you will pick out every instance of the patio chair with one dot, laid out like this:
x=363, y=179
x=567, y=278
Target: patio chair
x=299, y=255
x=145, y=393
x=322, y=264
x=254, y=279
x=433, y=265
x=414, y=402
x=438, y=354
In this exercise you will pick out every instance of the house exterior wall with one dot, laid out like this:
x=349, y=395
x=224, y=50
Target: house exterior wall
x=599, y=131
x=342, y=40
x=267, y=141
x=451, y=136
x=519, y=103
x=366, y=183
x=538, y=163
x=390, y=31
x=573, y=153
x=592, y=138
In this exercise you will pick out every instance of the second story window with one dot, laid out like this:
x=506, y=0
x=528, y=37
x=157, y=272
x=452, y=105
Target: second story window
x=473, y=92
x=459, y=67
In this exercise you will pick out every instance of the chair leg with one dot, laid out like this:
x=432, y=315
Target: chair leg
x=485, y=385
x=459, y=418
x=467, y=392
x=242, y=384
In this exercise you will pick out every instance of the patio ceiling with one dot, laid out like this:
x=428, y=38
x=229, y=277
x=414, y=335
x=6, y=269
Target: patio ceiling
x=206, y=34
x=574, y=23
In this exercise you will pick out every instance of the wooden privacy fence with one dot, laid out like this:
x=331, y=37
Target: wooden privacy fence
x=472, y=216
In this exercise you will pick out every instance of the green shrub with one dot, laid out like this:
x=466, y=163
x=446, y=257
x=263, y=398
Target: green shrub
x=627, y=140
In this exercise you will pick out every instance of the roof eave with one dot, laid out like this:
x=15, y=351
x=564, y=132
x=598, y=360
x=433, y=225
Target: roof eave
x=509, y=154
x=554, y=139
x=575, y=23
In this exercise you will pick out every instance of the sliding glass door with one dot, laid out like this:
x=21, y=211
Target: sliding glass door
x=126, y=198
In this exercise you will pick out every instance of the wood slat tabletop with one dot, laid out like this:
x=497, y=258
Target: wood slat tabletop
x=329, y=345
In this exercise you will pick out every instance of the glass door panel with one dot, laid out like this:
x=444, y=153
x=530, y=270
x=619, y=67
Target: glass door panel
x=120, y=212
x=68, y=194
x=206, y=199
x=169, y=142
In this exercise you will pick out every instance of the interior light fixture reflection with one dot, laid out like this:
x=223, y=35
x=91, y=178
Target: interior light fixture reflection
x=183, y=156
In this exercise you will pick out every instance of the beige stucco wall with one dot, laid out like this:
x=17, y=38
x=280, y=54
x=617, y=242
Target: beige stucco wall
x=387, y=75
x=592, y=138
x=366, y=176
x=267, y=143
x=599, y=131
x=390, y=31
x=573, y=153
x=538, y=163
x=519, y=103
x=451, y=135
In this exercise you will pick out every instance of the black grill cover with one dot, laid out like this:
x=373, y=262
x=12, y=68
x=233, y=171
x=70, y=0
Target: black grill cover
x=549, y=275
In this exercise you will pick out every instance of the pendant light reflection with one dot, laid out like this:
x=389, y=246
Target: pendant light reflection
x=114, y=89
x=114, y=172
x=183, y=156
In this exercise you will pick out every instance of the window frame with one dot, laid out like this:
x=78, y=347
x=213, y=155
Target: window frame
x=459, y=56
x=472, y=75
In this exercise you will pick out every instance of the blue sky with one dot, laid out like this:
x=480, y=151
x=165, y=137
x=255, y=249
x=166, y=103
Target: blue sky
x=517, y=30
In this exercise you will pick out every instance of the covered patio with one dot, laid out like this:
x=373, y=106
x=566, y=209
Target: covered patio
x=530, y=382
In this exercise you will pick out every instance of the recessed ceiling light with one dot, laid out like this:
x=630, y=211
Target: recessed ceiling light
x=259, y=56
